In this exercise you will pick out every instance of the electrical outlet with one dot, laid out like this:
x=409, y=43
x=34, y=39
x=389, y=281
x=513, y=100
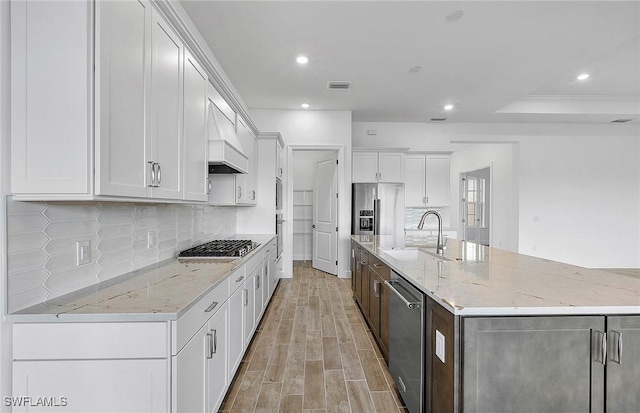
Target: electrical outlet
x=151, y=240
x=440, y=346
x=83, y=252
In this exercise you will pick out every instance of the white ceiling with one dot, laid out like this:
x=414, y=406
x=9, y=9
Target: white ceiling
x=503, y=61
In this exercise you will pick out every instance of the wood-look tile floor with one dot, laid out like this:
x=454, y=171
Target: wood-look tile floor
x=313, y=352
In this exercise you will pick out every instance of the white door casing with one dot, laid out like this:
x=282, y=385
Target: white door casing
x=325, y=217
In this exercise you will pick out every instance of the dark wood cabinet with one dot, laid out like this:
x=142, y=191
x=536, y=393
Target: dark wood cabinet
x=440, y=375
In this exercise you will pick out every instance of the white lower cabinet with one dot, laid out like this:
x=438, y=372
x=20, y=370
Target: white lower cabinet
x=249, y=322
x=87, y=386
x=182, y=366
x=236, y=327
x=216, y=380
x=200, y=374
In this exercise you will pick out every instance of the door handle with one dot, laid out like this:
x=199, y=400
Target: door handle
x=408, y=303
x=599, y=346
x=209, y=345
x=616, y=347
x=313, y=226
x=211, y=307
x=152, y=171
x=376, y=291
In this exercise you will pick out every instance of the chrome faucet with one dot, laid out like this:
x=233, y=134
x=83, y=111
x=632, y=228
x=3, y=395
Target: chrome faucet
x=440, y=244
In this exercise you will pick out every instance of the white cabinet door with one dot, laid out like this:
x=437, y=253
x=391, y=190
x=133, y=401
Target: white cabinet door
x=123, y=73
x=217, y=379
x=246, y=183
x=364, y=167
x=166, y=107
x=195, y=179
x=258, y=285
x=51, y=125
x=189, y=371
x=391, y=167
x=249, y=303
x=273, y=271
x=236, y=330
x=115, y=386
x=414, y=194
x=437, y=180
x=280, y=162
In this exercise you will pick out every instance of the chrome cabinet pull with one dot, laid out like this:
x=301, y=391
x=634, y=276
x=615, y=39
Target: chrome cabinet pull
x=208, y=185
x=239, y=192
x=404, y=388
x=253, y=194
x=211, y=307
x=215, y=342
x=616, y=356
x=376, y=288
x=240, y=278
x=424, y=200
x=600, y=346
x=257, y=282
x=152, y=171
x=159, y=174
x=378, y=265
x=209, y=345
x=246, y=297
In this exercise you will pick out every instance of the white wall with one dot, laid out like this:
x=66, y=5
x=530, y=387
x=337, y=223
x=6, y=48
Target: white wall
x=5, y=331
x=303, y=167
x=314, y=129
x=577, y=185
x=579, y=200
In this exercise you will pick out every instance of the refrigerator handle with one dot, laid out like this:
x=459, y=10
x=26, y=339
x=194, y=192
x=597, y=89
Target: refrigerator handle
x=376, y=217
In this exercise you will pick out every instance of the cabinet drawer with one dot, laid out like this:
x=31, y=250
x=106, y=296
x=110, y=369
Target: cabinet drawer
x=236, y=280
x=81, y=341
x=255, y=261
x=380, y=268
x=190, y=322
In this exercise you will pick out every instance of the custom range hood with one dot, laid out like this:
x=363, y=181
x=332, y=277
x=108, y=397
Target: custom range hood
x=225, y=152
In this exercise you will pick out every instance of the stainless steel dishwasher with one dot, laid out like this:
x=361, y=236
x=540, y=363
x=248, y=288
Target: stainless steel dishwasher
x=406, y=341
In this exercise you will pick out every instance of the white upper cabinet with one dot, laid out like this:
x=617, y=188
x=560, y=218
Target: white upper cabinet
x=50, y=90
x=414, y=191
x=437, y=182
x=427, y=180
x=247, y=182
x=378, y=166
x=195, y=181
x=166, y=110
x=135, y=129
x=280, y=162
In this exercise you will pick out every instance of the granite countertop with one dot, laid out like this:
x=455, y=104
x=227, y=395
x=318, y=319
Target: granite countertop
x=477, y=280
x=160, y=292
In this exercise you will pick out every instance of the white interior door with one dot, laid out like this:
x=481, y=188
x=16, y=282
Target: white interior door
x=325, y=217
x=475, y=198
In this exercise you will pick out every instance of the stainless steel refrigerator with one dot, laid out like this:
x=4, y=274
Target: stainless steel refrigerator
x=377, y=209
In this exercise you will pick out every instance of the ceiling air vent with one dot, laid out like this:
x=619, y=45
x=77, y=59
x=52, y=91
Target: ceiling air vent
x=438, y=119
x=339, y=85
x=621, y=120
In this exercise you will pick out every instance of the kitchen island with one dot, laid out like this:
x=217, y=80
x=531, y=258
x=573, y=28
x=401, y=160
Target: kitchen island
x=515, y=333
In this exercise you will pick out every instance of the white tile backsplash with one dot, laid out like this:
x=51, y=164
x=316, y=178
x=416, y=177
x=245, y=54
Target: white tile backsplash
x=41, y=242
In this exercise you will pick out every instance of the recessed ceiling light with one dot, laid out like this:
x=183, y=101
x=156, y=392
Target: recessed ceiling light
x=302, y=59
x=583, y=76
x=305, y=106
x=448, y=107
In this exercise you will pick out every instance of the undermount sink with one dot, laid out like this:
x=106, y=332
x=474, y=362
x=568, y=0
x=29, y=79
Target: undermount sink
x=413, y=254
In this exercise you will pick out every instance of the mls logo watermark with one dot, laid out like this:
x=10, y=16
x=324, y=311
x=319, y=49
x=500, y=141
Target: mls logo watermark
x=31, y=401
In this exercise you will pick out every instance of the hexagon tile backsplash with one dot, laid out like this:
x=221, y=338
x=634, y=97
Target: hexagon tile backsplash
x=42, y=236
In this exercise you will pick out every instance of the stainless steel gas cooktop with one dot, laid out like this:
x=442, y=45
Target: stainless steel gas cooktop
x=224, y=248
